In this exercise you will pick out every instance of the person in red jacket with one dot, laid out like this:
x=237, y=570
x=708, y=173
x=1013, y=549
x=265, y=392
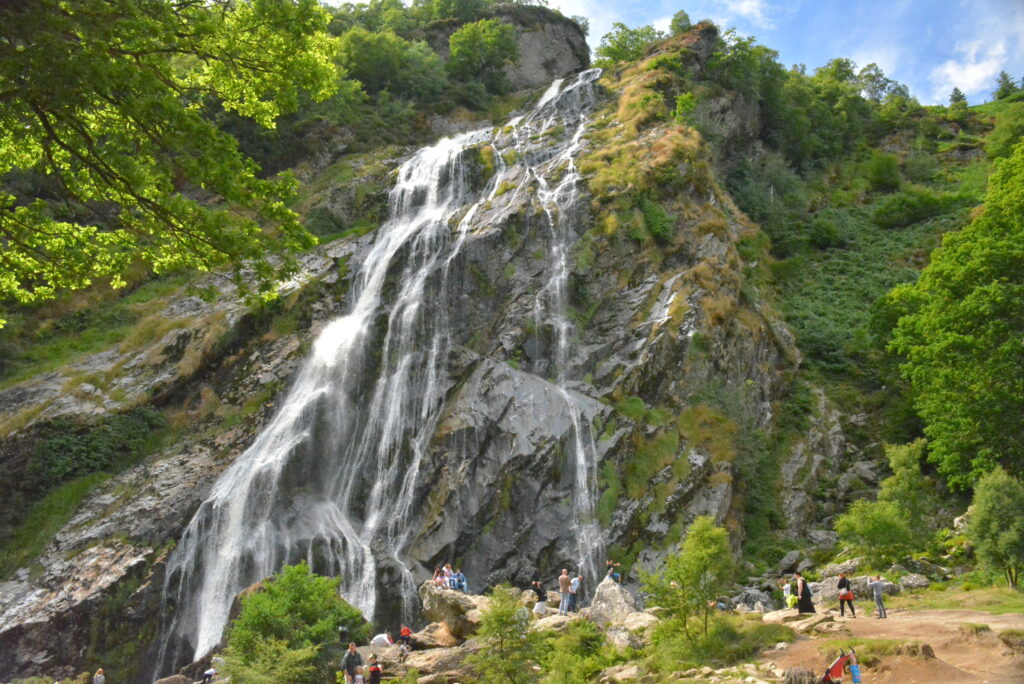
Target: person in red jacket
x=405, y=634
x=374, y=670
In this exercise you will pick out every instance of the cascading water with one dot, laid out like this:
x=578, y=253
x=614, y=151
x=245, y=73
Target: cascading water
x=332, y=477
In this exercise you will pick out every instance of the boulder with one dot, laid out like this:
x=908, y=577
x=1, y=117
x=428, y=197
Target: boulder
x=639, y=622
x=750, y=598
x=554, y=623
x=822, y=538
x=914, y=581
x=554, y=599
x=622, y=639
x=789, y=562
x=848, y=566
x=437, y=660
x=622, y=673
x=781, y=617
x=174, y=679
x=451, y=607
x=807, y=624
x=611, y=604
x=930, y=570
x=434, y=635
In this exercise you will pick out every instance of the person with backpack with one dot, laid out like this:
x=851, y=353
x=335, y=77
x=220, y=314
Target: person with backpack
x=805, y=604
x=845, y=595
x=350, y=661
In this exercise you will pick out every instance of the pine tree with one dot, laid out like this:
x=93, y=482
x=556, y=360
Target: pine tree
x=1004, y=86
x=957, y=96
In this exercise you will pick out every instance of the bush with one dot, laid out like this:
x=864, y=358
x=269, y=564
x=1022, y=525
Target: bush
x=730, y=640
x=910, y=206
x=480, y=50
x=657, y=220
x=996, y=527
x=1008, y=132
x=878, y=529
x=510, y=648
x=293, y=621
x=883, y=172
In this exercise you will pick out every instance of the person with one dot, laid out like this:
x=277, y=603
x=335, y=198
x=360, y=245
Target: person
x=358, y=679
x=382, y=640
x=574, y=592
x=564, y=587
x=403, y=651
x=209, y=675
x=374, y=669
x=539, y=608
x=460, y=581
x=787, y=593
x=439, y=578
x=449, y=575
x=877, y=588
x=99, y=677
x=612, y=572
x=538, y=589
x=845, y=595
x=803, y=592
x=405, y=634
x=350, y=661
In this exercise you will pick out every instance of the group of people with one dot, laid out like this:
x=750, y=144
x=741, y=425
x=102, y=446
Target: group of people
x=569, y=592
x=450, y=579
x=803, y=600
x=352, y=666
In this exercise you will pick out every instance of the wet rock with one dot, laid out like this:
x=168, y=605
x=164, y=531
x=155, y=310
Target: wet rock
x=612, y=603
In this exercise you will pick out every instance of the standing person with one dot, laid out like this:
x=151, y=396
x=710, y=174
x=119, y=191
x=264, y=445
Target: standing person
x=359, y=676
x=350, y=661
x=845, y=595
x=787, y=593
x=99, y=677
x=405, y=634
x=574, y=593
x=803, y=592
x=564, y=589
x=374, y=670
x=877, y=588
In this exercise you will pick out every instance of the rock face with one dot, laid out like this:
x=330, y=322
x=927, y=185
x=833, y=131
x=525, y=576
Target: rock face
x=550, y=45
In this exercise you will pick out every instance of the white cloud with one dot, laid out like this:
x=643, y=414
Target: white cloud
x=973, y=71
x=754, y=11
x=662, y=24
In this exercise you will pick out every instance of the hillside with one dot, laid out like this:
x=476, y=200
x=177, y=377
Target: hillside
x=556, y=314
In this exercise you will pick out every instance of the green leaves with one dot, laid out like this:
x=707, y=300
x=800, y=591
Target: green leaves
x=106, y=100
x=962, y=337
x=996, y=527
x=510, y=648
x=480, y=50
x=623, y=44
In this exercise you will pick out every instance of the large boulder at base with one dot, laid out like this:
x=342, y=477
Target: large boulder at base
x=639, y=622
x=751, y=599
x=528, y=598
x=914, y=580
x=554, y=623
x=622, y=639
x=781, y=617
x=453, y=608
x=848, y=566
x=438, y=660
x=434, y=635
x=174, y=679
x=611, y=604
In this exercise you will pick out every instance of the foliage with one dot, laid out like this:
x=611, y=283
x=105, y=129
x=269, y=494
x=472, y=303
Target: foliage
x=909, y=489
x=657, y=220
x=730, y=640
x=480, y=50
x=957, y=97
x=577, y=654
x=1008, y=132
x=680, y=23
x=510, y=649
x=690, y=580
x=624, y=44
x=68, y=451
x=911, y=205
x=878, y=529
x=685, y=104
x=298, y=613
x=104, y=100
x=883, y=172
x=961, y=340
x=274, y=661
x=384, y=61
x=995, y=525
x=1005, y=86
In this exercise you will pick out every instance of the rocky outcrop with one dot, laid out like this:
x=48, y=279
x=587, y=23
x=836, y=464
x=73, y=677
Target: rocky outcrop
x=612, y=604
x=457, y=611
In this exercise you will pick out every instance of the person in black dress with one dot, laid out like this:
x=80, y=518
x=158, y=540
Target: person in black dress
x=803, y=592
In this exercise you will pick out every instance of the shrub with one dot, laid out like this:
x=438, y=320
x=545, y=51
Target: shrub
x=657, y=220
x=996, y=527
x=910, y=206
x=729, y=640
x=510, y=648
x=883, y=172
x=1008, y=132
x=876, y=528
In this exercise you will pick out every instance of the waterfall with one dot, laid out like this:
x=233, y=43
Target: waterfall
x=331, y=478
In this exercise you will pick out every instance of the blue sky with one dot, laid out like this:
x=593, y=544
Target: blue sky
x=930, y=45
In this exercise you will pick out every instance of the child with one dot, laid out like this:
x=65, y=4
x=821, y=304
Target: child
x=359, y=676
x=374, y=670
x=403, y=651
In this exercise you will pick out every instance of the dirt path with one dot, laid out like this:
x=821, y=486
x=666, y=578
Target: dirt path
x=958, y=658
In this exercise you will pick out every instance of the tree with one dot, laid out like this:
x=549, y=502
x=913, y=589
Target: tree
x=1008, y=132
x=274, y=662
x=1005, y=86
x=383, y=61
x=996, y=527
x=105, y=99
x=909, y=488
x=877, y=529
x=680, y=23
x=623, y=44
x=293, y=612
x=692, y=579
x=480, y=50
x=957, y=97
x=961, y=339
x=883, y=171
x=463, y=10
x=510, y=648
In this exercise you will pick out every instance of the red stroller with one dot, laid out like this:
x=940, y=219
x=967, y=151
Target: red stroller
x=834, y=672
